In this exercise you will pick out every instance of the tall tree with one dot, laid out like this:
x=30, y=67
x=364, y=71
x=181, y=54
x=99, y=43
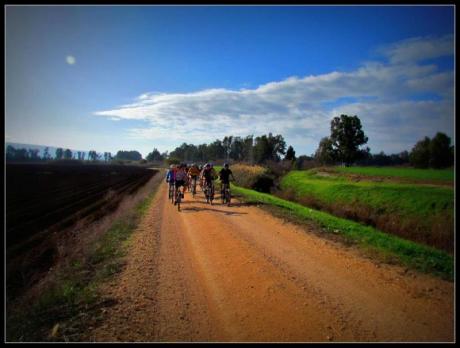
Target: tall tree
x=67, y=154
x=248, y=151
x=59, y=153
x=347, y=135
x=440, y=156
x=33, y=154
x=92, y=155
x=155, y=155
x=46, y=154
x=290, y=154
x=269, y=147
x=227, y=144
x=237, y=149
x=420, y=154
x=325, y=153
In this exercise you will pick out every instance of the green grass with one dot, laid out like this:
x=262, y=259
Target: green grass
x=406, y=200
x=421, y=213
x=407, y=173
x=405, y=252
x=69, y=300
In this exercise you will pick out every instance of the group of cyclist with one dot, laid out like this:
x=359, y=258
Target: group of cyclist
x=182, y=175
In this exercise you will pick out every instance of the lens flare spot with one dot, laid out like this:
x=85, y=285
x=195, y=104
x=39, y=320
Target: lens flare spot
x=70, y=60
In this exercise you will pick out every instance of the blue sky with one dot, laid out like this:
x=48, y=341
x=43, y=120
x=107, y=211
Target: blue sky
x=115, y=78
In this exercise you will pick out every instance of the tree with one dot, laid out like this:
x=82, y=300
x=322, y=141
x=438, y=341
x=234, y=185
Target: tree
x=33, y=154
x=92, y=155
x=67, y=154
x=155, y=155
x=440, y=156
x=237, y=149
x=248, y=149
x=216, y=150
x=227, y=144
x=290, y=154
x=347, y=136
x=128, y=155
x=304, y=162
x=420, y=154
x=46, y=154
x=13, y=154
x=59, y=153
x=325, y=153
x=268, y=148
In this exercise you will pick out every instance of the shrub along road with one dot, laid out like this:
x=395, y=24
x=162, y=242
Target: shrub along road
x=220, y=274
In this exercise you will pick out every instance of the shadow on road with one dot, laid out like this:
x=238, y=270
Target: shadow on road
x=207, y=207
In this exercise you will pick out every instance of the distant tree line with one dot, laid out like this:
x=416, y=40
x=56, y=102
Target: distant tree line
x=128, y=155
x=32, y=155
x=343, y=147
x=433, y=153
x=239, y=149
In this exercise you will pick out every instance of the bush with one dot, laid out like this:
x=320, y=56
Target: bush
x=253, y=177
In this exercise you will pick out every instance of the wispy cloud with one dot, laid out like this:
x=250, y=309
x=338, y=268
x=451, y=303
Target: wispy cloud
x=300, y=108
x=419, y=48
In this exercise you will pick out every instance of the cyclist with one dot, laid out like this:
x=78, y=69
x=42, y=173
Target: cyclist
x=170, y=173
x=201, y=175
x=224, y=175
x=193, y=173
x=181, y=178
x=171, y=178
x=208, y=174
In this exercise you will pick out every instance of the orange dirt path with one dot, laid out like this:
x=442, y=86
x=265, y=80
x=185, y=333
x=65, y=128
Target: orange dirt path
x=238, y=274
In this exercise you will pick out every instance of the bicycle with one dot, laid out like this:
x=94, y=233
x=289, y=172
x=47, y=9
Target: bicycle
x=171, y=192
x=178, y=198
x=209, y=192
x=193, y=186
x=226, y=194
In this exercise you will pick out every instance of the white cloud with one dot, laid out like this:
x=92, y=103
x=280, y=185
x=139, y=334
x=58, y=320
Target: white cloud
x=300, y=108
x=419, y=48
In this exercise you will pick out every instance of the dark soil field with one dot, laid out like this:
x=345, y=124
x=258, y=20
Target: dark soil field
x=45, y=199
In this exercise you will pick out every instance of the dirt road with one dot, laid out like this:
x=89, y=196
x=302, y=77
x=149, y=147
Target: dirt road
x=219, y=274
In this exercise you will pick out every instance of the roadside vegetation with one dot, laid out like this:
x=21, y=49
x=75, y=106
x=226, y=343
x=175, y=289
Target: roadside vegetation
x=70, y=302
x=421, y=213
x=383, y=246
x=422, y=175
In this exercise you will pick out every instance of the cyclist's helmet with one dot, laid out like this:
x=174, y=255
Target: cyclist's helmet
x=208, y=165
x=211, y=165
x=225, y=165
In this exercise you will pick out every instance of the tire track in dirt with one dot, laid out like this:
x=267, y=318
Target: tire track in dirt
x=217, y=273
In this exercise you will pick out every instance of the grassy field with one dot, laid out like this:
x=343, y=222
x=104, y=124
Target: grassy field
x=385, y=246
x=422, y=213
x=407, y=173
